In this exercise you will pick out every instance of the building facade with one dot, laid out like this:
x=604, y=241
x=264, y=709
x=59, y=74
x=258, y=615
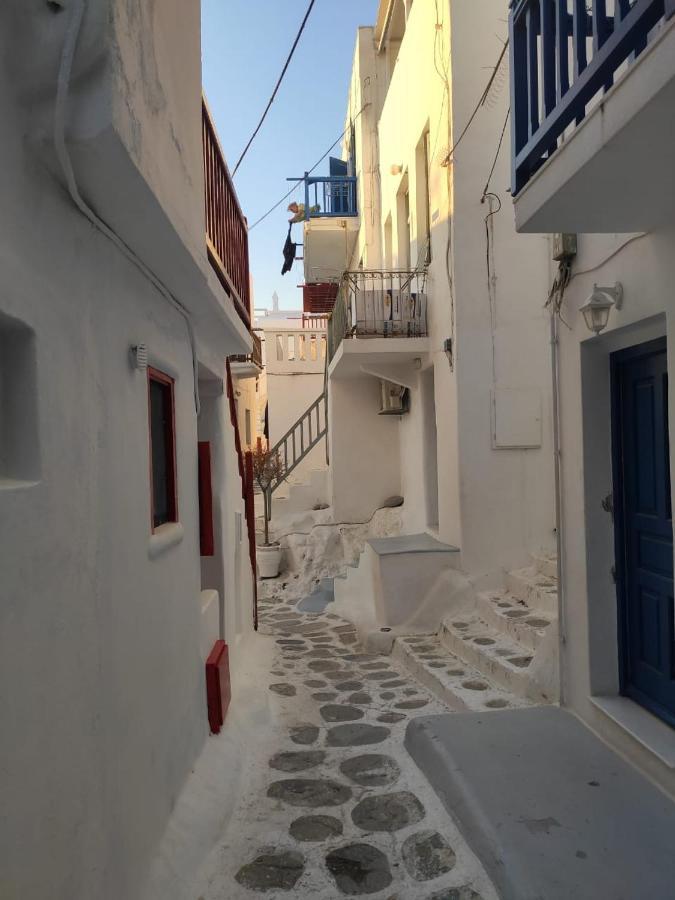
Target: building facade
x=592, y=163
x=120, y=301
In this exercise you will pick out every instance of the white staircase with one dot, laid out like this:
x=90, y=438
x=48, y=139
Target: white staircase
x=295, y=496
x=505, y=645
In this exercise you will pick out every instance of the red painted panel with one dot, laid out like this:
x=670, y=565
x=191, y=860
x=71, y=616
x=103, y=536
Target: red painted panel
x=206, y=543
x=218, y=690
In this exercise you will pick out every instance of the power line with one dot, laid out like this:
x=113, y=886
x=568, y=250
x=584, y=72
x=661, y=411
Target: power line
x=276, y=87
x=480, y=103
x=486, y=189
x=309, y=172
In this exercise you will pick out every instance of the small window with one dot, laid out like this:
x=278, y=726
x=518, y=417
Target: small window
x=280, y=348
x=164, y=507
x=291, y=347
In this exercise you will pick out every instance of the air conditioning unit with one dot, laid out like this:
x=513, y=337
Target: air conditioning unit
x=393, y=399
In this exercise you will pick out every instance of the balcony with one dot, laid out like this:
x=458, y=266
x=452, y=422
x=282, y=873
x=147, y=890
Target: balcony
x=378, y=317
x=226, y=226
x=295, y=351
x=592, y=94
x=248, y=365
x=331, y=225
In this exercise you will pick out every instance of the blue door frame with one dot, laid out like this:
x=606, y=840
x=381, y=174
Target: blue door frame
x=643, y=527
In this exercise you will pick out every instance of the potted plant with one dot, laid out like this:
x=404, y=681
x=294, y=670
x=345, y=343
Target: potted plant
x=268, y=469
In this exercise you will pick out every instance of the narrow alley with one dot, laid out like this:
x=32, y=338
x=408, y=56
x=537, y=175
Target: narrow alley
x=334, y=804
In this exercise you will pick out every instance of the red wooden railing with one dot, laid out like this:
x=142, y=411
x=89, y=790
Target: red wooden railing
x=245, y=462
x=226, y=227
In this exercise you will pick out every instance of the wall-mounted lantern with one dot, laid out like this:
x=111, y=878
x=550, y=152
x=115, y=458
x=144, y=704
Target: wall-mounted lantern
x=597, y=308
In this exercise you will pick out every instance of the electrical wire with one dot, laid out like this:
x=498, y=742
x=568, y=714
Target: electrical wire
x=480, y=103
x=635, y=237
x=276, y=88
x=77, y=11
x=309, y=171
x=486, y=189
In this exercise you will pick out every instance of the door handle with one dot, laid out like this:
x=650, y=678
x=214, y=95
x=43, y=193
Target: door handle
x=608, y=504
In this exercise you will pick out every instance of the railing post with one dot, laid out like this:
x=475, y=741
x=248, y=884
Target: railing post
x=306, y=196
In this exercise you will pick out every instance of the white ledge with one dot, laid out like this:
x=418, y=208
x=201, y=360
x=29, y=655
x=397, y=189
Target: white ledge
x=645, y=728
x=165, y=537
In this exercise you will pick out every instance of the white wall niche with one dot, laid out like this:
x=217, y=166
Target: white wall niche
x=19, y=434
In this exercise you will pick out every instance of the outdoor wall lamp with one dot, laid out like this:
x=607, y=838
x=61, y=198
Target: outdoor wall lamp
x=597, y=308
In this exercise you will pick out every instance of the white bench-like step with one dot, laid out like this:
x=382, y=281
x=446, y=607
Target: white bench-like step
x=454, y=682
x=496, y=656
x=537, y=590
x=513, y=618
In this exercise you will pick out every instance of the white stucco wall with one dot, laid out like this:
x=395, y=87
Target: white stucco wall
x=365, y=463
x=590, y=655
x=99, y=622
x=496, y=505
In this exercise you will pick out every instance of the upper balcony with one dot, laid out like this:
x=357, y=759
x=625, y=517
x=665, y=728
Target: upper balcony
x=592, y=99
x=331, y=224
x=226, y=226
x=378, y=323
x=248, y=365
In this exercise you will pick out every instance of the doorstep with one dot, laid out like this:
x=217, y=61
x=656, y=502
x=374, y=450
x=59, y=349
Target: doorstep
x=549, y=809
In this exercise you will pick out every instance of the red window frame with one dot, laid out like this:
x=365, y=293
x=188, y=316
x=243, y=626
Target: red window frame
x=155, y=375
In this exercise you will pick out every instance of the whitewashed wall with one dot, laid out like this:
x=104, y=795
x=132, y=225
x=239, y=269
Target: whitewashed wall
x=99, y=622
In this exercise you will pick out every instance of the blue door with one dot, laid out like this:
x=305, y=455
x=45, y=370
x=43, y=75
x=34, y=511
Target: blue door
x=643, y=527
x=339, y=192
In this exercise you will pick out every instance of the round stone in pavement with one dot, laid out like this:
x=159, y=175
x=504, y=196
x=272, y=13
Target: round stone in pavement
x=398, y=682
x=356, y=735
x=387, y=695
x=324, y=696
x=315, y=683
x=465, y=892
x=272, y=871
x=297, y=760
x=411, y=704
x=335, y=712
x=309, y=792
x=318, y=653
x=371, y=770
x=360, y=698
x=323, y=665
x=359, y=869
x=391, y=718
x=375, y=665
x=349, y=686
x=304, y=734
x=286, y=690
x=427, y=855
x=388, y=812
x=380, y=675
x=315, y=828
x=339, y=675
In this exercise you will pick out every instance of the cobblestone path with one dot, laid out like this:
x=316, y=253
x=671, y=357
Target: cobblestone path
x=335, y=807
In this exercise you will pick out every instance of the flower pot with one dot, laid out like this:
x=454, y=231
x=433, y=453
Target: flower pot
x=269, y=560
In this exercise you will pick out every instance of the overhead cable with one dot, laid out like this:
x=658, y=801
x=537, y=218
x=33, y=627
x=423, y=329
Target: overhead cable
x=276, y=87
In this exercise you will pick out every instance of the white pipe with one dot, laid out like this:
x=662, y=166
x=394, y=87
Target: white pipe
x=77, y=11
x=555, y=380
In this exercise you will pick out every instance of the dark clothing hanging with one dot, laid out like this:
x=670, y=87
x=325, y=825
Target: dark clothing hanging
x=289, y=253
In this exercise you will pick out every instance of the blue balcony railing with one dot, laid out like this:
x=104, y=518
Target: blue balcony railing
x=563, y=53
x=329, y=195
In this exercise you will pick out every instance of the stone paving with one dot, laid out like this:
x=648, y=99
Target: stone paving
x=338, y=808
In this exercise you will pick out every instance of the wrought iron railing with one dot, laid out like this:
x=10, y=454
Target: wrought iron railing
x=563, y=53
x=226, y=227
x=299, y=440
x=378, y=304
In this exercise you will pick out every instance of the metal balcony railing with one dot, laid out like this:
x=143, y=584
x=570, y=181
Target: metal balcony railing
x=378, y=304
x=226, y=227
x=563, y=53
x=329, y=195
x=254, y=357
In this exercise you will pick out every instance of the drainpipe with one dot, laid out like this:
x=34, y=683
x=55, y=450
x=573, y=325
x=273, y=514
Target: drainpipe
x=555, y=379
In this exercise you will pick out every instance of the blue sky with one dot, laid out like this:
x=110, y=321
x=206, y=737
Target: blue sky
x=244, y=46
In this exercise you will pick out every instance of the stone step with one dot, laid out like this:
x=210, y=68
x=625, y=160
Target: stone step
x=512, y=617
x=546, y=563
x=496, y=656
x=454, y=682
x=537, y=590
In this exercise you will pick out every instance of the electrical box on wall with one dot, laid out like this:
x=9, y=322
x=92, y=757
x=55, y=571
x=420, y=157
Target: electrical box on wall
x=564, y=246
x=516, y=418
